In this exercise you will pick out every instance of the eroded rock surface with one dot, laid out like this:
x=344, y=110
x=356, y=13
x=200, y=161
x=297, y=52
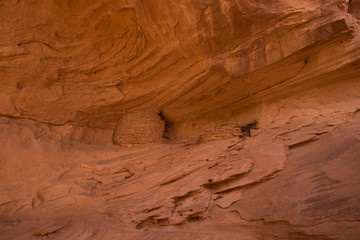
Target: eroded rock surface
x=179, y=119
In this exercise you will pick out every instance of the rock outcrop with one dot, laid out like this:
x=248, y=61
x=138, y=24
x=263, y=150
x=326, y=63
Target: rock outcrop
x=203, y=119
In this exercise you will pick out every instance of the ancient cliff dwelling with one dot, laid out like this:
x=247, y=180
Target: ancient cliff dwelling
x=180, y=119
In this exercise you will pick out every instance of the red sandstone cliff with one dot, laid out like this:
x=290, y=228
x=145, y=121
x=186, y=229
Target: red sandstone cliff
x=180, y=119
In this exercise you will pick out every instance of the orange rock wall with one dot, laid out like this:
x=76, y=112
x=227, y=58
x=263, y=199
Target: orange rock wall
x=175, y=119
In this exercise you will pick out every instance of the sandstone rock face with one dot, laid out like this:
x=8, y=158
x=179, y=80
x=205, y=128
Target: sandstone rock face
x=204, y=119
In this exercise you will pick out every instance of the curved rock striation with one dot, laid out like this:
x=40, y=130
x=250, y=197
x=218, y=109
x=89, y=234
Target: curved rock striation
x=174, y=119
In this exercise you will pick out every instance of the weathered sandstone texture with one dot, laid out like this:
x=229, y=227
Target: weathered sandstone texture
x=180, y=119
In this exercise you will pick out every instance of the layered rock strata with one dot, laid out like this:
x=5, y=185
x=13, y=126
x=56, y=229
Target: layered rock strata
x=173, y=119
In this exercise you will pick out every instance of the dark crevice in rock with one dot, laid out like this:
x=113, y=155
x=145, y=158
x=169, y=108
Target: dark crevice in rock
x=168, y=125
x=246, y=129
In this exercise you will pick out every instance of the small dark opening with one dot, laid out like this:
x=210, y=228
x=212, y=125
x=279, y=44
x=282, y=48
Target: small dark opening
x=306, y=60
x=19, y=85
x=246, y=129
x=166, y=133
x=193, y=218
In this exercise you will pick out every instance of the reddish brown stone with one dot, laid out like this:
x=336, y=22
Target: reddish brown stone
x=243, y=119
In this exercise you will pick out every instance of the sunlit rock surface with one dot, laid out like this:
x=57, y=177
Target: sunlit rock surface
x=206, y=119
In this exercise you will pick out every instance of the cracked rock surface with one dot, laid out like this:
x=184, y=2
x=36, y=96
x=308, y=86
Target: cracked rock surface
x=175, y=119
